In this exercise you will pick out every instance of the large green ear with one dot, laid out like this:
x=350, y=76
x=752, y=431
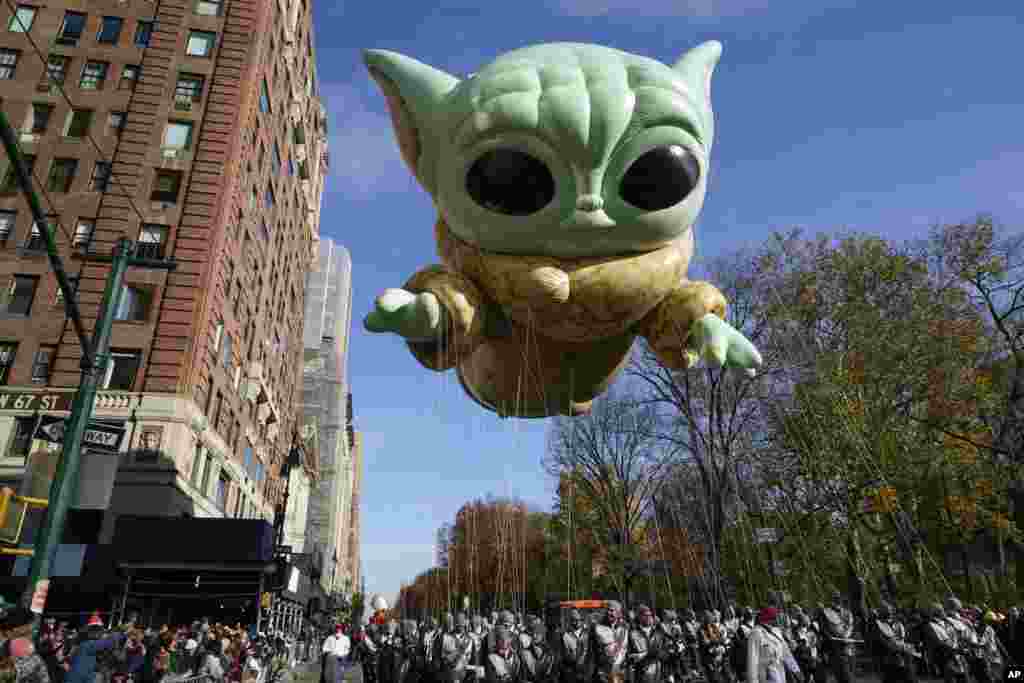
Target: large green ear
x=696, y=67
x=414, y=92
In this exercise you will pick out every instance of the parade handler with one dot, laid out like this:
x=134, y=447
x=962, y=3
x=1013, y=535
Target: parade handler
x=335, y=651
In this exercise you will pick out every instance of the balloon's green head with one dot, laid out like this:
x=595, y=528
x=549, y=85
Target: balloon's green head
x=562, y=149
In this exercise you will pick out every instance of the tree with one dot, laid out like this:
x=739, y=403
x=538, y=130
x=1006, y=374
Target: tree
x=616, y=463
x=989, y=263
x=889, y=388
x=711, y=417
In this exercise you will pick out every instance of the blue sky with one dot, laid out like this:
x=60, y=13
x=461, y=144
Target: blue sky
x=831, y=114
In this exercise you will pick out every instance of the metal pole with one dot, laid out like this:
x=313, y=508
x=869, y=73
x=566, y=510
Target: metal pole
x=259, y=603
x=65, y=481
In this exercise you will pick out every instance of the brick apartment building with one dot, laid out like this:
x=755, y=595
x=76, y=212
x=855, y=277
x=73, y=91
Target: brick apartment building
x=194, y=127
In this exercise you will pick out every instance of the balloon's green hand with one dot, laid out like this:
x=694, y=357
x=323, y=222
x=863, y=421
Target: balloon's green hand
x=717, y=340
x=416, y=317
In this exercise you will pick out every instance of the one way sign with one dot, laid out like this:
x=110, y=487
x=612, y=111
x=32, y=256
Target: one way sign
x=98, y=435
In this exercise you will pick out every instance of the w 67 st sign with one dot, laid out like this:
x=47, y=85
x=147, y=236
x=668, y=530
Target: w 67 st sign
x=26, y=400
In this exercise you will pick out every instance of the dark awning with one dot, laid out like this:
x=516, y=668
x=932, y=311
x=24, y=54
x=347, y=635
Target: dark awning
x=193, y=544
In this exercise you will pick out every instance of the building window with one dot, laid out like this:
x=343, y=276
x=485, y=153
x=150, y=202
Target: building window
x=7, y=353
x=264, y=231
x=62, y=175
x=24, y=431
x=207, y=467
x=223, y=485
x=57, y=68
x=218, y=334
x=259, y=472
x=79, y=121
x=71, y=28
x=115, y=123
x=22, y=19
x=226, y=356
x=143, y=33
x=264, y=97
x=36, y=241
x=197, y=466
x=8, y=63
x=166, y=186
x=200, y=43
x=254, y=198
x=94, y=74
x=277, y=158
x=151, y=242
x=20, y=294
x=247, y=457
x=268, y=197
x=8, y=217
x=41, y=114
x=217, y=408
x=188, y=91
x=10, y=182
x=110, y=30
x=208, y=8
x=100, y=176
x=83, y=233
x=122, y=367
x=133, y=305
x=129, y=76
x=178, y=135
x=73, y=282
x=43, y=363
x=291, y=166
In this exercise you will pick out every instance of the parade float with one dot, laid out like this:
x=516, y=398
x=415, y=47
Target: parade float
x=567, y=180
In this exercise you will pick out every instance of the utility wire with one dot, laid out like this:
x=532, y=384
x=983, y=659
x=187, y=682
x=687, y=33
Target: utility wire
x=60, y=88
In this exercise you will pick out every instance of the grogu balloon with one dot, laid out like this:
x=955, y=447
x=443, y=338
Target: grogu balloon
x=567, y=178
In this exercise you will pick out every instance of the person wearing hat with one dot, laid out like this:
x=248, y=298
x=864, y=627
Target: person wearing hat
x=573, y=647
x=837, y=629
x=335, y=650
x=991, y=650
x=29, y=667
x=769, y=658
x=82, y=665
x=610, y=645
x=647, y=648
x=503, y=665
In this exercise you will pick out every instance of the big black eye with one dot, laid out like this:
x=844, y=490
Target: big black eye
x=660, y=178
x=510, y=182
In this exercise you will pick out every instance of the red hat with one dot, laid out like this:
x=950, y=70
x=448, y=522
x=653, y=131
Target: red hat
x=22, y=647
x=339, y=628
x=95, y=620
x=768, y=615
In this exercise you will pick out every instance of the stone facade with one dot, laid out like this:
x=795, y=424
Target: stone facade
x=195, y=129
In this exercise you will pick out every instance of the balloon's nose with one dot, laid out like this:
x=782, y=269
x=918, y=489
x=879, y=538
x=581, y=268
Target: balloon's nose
x=590, y=202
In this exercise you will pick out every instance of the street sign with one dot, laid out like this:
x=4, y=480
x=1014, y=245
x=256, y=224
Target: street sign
x=34, y=400
x=282, y=550
x=98, y=435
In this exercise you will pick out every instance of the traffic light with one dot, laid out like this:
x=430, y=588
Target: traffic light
x=13, y=509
